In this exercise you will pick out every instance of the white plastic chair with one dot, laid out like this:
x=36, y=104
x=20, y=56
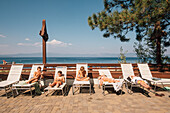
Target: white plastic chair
x=13, y=77
x=19, y=86
x=147, y=75
x=81, y=83
x=110, y=85
x=127, y=70
x=61, y=87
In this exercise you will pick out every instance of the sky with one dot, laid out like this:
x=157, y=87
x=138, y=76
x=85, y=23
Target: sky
x=67, y=27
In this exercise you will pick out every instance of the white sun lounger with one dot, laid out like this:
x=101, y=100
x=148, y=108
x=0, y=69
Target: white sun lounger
x=127, y=70
x=61, y=87
x=146, y=74
x=22, y=84
x=117, y=86
x=81, y=83
x=13, y=77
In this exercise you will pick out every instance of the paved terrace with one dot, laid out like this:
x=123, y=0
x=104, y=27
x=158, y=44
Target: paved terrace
x=85, y=103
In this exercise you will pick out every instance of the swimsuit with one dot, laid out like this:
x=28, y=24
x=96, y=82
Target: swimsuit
x=59, y=81
x=137, y=80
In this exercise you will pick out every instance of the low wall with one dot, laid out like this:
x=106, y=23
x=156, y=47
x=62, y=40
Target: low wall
x=115, y=69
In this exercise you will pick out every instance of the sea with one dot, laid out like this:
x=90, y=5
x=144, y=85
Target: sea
x=66, y=60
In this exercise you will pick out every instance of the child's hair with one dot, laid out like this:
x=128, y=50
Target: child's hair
x=60, y=72
x=39, y=68
x=82, y=68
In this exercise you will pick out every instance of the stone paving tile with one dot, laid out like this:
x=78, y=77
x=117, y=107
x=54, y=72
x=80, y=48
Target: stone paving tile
x=85, y=103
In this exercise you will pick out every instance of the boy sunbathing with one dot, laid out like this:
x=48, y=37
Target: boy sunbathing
x=82, y=75
x=59, y=80
x=36, y=76
x=139, y=80
x=104, y=78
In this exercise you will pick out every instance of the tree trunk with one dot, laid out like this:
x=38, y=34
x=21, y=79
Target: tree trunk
x=158, y=53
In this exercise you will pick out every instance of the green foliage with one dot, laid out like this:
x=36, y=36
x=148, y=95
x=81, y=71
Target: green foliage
x=151, y=45
x=141, y=51
x=146, y=52
x=122, y=57
x=120, y=17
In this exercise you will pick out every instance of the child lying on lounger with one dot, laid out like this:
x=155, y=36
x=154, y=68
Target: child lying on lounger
x=82, y=75
x=104, y=78
x=139, y=80
x=36, y=76
x=59, y=80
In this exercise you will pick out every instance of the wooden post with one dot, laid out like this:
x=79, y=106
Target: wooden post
x=44, y=51
x=43, y=33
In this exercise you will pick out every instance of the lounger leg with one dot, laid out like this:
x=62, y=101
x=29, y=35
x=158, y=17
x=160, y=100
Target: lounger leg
x=34, y=93
x=131, y=87
x=90, y=89
x=122, y=88
x=73, y=89
x=65, y=89
x=45, y=92
x=155, y=87
x=31, y=92
x=126, y=85
x=104, y=90
x=6, y=93
x=12, y=92
x=16, y=91
x=62, y=92
x=162, y=84
x=99, y=84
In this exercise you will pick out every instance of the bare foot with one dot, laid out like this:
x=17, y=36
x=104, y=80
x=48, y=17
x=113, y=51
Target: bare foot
x=149, y=88
x=27, y=82
x=56, y=86
x=50, y=85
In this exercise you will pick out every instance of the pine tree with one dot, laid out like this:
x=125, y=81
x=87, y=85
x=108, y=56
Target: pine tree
x=148, y=18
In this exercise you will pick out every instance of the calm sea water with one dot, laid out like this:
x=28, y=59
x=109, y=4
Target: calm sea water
x=66, y=60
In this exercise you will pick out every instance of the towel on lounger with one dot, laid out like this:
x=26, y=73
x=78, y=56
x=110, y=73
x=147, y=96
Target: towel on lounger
x=117, y=86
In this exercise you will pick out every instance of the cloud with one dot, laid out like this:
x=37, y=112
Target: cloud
x=21, y=44
x=3, y=36
x=58, y=43
x=27, y=39
x=37, y=44
x=51, y=43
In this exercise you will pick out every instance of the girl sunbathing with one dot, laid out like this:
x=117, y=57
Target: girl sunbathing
x=36, y=76
x=104, y=78
x=139, y=80
x=82, y=76
x=59, y=80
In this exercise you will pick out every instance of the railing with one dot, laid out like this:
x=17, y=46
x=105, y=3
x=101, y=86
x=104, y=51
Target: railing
x=115, y=69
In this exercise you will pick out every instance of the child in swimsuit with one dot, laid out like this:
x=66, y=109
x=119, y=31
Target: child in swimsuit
x=104, y=78
x=82, y=76
x=139, y=80
x=59, y=80
x=36, y=76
